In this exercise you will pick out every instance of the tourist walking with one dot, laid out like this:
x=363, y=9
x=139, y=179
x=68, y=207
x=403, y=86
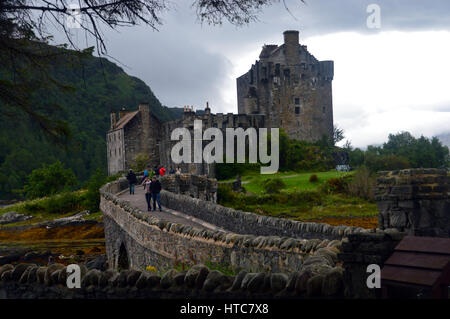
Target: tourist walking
x=171, y=171
x=132, y=180
x=148, y=194
x=155, y=188
x=156, y=169
x=162, y=171
x=178, y=171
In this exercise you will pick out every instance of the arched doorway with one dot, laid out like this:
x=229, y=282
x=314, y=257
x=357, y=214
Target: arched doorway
x=122, y=262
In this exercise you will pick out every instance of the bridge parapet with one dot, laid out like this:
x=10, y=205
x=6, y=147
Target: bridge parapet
x=195, y=186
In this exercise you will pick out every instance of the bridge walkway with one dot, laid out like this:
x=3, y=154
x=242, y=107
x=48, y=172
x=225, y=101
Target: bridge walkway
x=167, y=214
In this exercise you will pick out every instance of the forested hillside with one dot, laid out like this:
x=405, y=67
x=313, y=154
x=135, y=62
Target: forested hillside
x=96, y=86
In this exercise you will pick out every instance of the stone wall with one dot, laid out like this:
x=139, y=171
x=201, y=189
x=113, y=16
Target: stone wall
x=29, y=281
x=249, y=223
x=359, y=251
x=415, y=201
x=209, y=120
x=194, y=186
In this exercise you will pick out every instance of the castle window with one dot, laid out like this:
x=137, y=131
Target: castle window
x=304, y=67
x=323, y=109
x=297, y=101
x=277, y=69
x=115, y=152
x=297, y=110
x=119, y=151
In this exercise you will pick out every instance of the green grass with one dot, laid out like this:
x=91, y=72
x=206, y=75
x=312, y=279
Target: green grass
x=294, y=181
x=299, y=199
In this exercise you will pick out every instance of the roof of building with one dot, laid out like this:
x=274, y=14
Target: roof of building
x=267, y=50
x=125, y=119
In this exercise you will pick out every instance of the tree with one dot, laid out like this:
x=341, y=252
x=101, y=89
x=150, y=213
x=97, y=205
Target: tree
x=140, y=162
x=338, y=134
x=92, y=202
x=49, y=180
x=24, y=34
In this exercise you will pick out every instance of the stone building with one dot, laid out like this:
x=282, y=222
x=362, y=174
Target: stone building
x=287, y=88
x=133, y=133
x=291, y=88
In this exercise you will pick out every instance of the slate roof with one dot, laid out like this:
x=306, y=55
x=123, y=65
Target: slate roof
x=125, y=119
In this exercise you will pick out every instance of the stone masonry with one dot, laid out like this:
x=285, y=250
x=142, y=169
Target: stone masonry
x=415, y=201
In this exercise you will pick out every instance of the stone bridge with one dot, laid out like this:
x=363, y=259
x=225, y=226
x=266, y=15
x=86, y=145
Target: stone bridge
x=193, y=229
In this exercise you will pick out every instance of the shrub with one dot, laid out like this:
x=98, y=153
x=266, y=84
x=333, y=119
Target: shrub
x=63, y=203
x=49, y=180
x=273, y=185
x=140, y=162
x=225, y=193
x=231, y=170
x=313, y=178
x=362, y=184
x=335, y=185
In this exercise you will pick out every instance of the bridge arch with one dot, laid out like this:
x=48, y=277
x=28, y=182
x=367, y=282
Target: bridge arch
x=123, y=262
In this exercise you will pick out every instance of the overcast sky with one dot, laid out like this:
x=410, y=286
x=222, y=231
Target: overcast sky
x=387, y=80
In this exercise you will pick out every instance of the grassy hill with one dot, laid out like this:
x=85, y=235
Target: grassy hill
x=99, y=86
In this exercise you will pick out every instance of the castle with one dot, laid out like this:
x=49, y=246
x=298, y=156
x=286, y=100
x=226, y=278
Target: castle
x=287, y=88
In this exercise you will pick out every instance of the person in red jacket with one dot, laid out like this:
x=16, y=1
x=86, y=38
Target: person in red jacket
x=162, y=171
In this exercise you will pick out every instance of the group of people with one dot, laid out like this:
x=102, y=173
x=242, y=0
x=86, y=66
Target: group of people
x=152, y=185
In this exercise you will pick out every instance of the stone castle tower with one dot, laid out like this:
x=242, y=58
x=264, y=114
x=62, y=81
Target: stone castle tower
x=291, y=88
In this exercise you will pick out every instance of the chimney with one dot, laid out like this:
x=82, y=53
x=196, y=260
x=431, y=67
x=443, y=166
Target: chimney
x=207, y=110
x=113, y=119
x=291, y=47
x=144, y=107
x=122, y=112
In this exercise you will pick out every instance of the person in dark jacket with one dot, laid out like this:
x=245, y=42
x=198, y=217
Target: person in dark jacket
x=155, y=188
x=132, y=180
